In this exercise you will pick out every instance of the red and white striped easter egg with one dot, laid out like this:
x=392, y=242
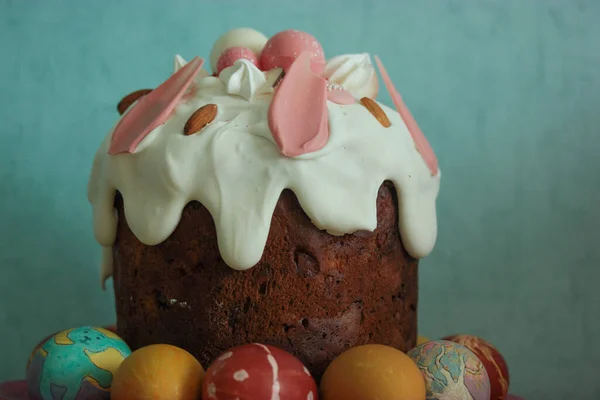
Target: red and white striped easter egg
x=258, y=372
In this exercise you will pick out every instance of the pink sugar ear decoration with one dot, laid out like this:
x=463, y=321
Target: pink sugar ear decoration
x=152, y=109
x=13, y=390
x=298, y=116
x=339, y=95
x=417, y=135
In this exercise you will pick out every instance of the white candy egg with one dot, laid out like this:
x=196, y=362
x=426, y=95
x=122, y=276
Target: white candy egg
x=242, y=37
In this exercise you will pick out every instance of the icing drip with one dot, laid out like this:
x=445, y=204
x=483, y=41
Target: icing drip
x=235, y=169
x=243, y=79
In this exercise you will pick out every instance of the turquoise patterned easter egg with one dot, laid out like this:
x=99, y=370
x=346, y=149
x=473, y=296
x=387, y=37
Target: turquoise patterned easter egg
x=76, y=364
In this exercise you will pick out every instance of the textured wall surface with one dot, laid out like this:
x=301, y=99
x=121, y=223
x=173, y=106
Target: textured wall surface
x=508, y=92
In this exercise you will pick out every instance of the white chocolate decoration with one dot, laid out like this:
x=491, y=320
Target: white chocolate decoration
x=353, y=72
x=235, y=169
x=243, y=79
x=243, y=37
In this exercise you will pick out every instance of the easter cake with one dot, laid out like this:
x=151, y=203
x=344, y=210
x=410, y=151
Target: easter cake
x=264, y=195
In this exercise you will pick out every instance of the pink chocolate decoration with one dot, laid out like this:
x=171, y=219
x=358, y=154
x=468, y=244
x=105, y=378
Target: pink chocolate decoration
x=13, y=390
x=230, y=55
x=282, y=49
x=258, y=372
x=418, y=137
x=153, y=109
x=340, y=96
x=298, y=116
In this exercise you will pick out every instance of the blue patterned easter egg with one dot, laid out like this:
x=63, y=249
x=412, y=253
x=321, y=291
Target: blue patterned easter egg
x=76, y=364
x=451, y=371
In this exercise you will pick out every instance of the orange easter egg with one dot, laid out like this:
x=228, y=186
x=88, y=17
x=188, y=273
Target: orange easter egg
x=160, y=372
x=372, y=371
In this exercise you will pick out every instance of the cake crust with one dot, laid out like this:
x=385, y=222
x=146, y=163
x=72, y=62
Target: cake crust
x=312, y=293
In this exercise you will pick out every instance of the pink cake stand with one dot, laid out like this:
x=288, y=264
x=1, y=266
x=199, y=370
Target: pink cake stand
x=13, y=390
x=17, y=390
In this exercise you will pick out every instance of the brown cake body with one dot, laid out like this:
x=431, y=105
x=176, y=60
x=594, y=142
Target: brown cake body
x=312, y=294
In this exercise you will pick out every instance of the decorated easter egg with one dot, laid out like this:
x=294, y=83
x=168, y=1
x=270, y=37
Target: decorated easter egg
x=258, y=372
x=492, y=360
x=283, y=48
x=451, y=371
x=232, y=54
x=112, y=328
x=76, y=364
x=35, y=349
x=421, y=340
x=159, y=372
x=372, y=372
x=241, y=37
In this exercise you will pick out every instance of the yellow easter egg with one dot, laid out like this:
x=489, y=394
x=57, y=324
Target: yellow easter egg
x=422, y=339
x=372, y=371
x=160, y=372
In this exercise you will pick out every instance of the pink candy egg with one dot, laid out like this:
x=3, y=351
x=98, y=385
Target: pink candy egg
x=245, y=37
x=230, y=55
x=258, y=372
x=283, y=48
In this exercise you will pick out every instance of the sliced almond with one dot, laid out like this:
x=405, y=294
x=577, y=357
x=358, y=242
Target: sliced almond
x=279, y=78
x=376, y=110
x=200, y=118
x=128, y=100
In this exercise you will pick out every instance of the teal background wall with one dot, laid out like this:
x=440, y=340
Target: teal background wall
x=508, y=92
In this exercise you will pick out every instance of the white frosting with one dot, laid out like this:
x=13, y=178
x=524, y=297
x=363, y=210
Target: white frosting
x=353, y=72
x=243, y=79
x=235, y=169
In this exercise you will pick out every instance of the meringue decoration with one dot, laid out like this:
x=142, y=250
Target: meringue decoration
x=298, y=116
x=284, y=47
x=178, y=63
x=417, y=135
x=229, y=57
x=353, y=72
x=152, y=109
x=241, y=37
x=243, y=78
